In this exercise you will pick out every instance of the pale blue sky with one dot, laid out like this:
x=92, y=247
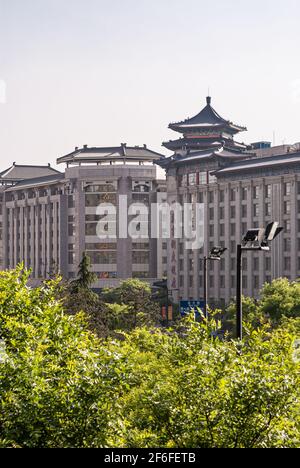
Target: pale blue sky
x=102, y=72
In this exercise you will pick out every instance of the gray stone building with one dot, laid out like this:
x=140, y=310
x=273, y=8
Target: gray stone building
x=240, y=188
x=48, y=218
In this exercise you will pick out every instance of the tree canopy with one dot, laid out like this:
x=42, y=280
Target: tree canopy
x=62, y=386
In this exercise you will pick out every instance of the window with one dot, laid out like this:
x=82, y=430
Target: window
x=211, y=197
x=245, y=282
x=211, y=213
x=287, y=225
x=287, y=189
x=232, y=194
x=192, y=179
x=101, y=246
x=256, y=192
x=287, y=263
x=268, y=209
x=222, y=212
x=222, y=196
x=202, y=178
x=232, y=229
x=287, y=208
x=71, y=257
x=93, y=200
x=268, y=190
x=256, y=263
x=108, y=187
x=103, y=258
x=140, y=274
x=244, y=193
x=268, y=263
x=222, y=230
x=71, y=202
x=256, y=282
x=244, y=264
x=287, y=245
x=211, y=230
x=232, y=211
x=140, y=257
x=222, y=281
x=244, y=211
x=256, y=210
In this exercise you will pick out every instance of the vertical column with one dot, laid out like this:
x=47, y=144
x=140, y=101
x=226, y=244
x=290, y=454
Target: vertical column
x=124, y=246
x=294, y=229
x=63, y=241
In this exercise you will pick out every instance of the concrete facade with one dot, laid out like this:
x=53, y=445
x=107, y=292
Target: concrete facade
x=48, y=222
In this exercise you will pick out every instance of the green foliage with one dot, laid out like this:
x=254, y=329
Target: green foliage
x=196, y=391
x=61, y=386
x=138, y=309
x=85, y=277
x=57, y=384
x=280, y=298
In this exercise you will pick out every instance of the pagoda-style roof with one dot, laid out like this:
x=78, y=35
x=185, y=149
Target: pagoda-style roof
x=207, y=120
x=204, y=142
x=220, y=153
x=112, y=154
x=17, y=173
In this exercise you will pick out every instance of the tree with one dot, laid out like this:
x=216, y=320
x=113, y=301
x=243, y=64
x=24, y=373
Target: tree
x=61, y=386
x=197, y=391
x=57, y=384
x=85, y=277
x=139, y=308
x=280, y=298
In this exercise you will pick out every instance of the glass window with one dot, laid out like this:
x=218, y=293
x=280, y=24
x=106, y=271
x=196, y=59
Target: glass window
x=287, y=207
x=98, y=258
x=244, y=193
x=256, y=192
x=202, y=178
x=140, y=257
x=287, y=189
x=268, y=189
x=93, y=200
x=287, y=263
x=192, y=179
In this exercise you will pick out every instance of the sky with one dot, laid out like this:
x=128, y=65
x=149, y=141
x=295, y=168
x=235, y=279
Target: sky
x=97, y=72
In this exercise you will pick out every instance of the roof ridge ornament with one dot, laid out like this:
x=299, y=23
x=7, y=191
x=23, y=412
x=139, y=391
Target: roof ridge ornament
x=208, y=100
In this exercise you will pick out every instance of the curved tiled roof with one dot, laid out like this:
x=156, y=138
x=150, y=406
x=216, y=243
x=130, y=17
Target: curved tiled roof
x=207, y=118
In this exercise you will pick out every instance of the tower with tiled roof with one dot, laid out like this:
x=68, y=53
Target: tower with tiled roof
x=207, y=130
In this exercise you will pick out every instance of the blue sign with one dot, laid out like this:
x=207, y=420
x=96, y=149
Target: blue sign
x=186, y=307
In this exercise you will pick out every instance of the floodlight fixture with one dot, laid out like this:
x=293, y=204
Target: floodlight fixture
x=255, y=239
x=254, y=235
x=216, y=253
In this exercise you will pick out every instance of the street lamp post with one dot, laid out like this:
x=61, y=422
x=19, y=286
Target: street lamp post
x=254, y=240
x=215, y=254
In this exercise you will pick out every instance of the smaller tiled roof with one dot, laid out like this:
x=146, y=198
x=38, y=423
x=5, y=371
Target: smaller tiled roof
x=37, y=182
x=114, y=153
x=261, y=163
x=17, y=172
x=189, y=157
